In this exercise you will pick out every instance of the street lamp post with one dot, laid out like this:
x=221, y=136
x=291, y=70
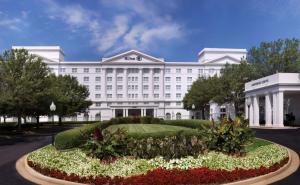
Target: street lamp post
x=193, y=108
x=52, y=109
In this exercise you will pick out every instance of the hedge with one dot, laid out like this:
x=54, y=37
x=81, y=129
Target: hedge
x=74, y=137
x=193, y=123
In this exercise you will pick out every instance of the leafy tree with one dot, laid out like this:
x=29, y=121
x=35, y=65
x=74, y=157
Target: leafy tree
x=69, y=96
x=201, y=93
x=22, y=78
x=276, y=56
x=232, y=85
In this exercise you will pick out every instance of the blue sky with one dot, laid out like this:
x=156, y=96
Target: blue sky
x=172, y=29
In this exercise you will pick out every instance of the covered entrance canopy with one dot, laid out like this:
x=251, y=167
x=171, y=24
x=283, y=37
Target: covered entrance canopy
x=273, y=100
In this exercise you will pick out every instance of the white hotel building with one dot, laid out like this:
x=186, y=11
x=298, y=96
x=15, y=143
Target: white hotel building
x=134, y=83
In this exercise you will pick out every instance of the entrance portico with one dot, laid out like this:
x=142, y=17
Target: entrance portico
x=268, y=100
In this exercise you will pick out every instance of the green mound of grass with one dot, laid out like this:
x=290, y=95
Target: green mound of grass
x=152, y=130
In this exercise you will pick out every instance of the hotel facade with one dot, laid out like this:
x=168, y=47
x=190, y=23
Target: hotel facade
x=137, y=84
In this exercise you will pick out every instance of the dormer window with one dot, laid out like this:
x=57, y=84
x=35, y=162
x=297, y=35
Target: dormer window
x=139, y=58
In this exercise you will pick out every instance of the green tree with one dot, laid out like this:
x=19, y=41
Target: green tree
x=22, y=78
x=232, y=85
x=276, y=56
x=69, y=96
x=201, y=93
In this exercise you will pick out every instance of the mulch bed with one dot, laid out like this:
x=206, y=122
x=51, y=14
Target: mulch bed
x=161, y=176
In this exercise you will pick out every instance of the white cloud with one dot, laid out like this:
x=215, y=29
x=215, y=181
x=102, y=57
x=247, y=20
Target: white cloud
x=133, y=24
x=12, y=23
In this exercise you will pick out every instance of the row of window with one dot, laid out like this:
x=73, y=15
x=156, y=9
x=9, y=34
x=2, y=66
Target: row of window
x=135, y=79
x=135, y=87
x=98, y=104
x=167, y=95
x=136, y=70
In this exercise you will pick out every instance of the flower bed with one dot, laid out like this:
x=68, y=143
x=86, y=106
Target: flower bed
x=162, y=176
x=212, y=167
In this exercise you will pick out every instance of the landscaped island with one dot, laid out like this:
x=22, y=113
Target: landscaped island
x=153, y=151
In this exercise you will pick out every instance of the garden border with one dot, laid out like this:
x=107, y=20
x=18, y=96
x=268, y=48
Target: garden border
x=290, y=167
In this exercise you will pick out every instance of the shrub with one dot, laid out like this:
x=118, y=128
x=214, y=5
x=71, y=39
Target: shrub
x=193, y=123
x=169, y=147
x=230, y=136
x=120, y=120
x=157, y=121
x=74, y=137
x=146, y=120
x=107, y=146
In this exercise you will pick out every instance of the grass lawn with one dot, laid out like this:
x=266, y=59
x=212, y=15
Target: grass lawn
x=154, y=130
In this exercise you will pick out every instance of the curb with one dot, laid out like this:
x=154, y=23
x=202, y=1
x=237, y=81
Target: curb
x=290, y=167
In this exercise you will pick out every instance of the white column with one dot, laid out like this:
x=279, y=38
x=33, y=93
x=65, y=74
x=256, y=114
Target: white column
x=125, y=84
x=140, y=84
x=114, y=83
x=268, y=110
x=113, y=113
x=126, y=112
x=246, y=108
x=256, y=110
x=280, y=99
x=274, y=109
x=251, y=112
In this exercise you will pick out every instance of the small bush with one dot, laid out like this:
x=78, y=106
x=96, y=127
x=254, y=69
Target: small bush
x=230, y=136
x=146, y=120
x=193, y=123
x=157, y=121
x=106, y=146
x=120, y=120
x=170, y=147
x=74, y=137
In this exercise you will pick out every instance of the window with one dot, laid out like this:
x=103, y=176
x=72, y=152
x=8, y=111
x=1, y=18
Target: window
x=145, y=95
x=86, y=79
x=97, y=79
x=86, y=70
x=189, y=87
x=109, y=70
x=97, y=87
x=167, y=70
x=87, y=86
x=109, y=87
x=156, y=87
x=119, y=78
x=178, y=70
x=145, y=87
x=189, y=79
x=156, y=70
x=120, y=70
x=156, y=79
x=167, y=103
x=98, y=104
x=119, y=95
x=189, y=70
x=178, y=103
x=178, y=87
x=168, y=116
x=74, y=70
x=178, y=95
x=168, y=87
x=97, y=95
x=119, y=87
x=178, y=115
x=178, y=79
x=109, y=79
x=98, y=70
x=145, y=79
x=168, y=79
x=146, y=70
x=109, y=95
x=156, y=95
x=200, y=71
x=62, y=70
x=167, y=95
x=211, y=70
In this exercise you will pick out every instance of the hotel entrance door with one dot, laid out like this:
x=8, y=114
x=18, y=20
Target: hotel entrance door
x=134, y=112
